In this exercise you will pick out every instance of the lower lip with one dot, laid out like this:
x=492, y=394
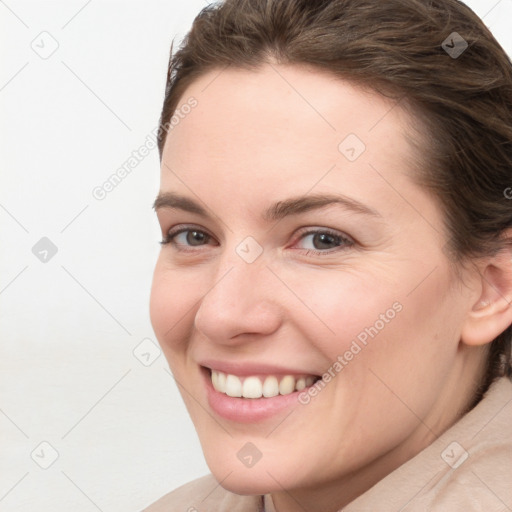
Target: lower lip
x=247, y=410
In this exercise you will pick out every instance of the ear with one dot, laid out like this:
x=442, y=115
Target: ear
x=491, y=313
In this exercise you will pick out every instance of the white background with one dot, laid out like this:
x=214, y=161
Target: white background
x=69, y=326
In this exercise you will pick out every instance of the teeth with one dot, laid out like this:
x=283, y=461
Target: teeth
x=270, y=387
x=215, y=380
x=301, y=384
x=233, y=386
x=287, y=385
x=221, y=382
x=253, y=387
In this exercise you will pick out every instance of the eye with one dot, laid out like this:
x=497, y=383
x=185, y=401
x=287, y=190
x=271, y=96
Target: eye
x=323, y=241
x=187, y=237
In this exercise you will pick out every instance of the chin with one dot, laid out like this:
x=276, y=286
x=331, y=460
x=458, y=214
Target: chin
x=269, y=474
x=247, y=482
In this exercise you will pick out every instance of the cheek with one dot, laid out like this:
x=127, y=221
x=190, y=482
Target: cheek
x=171, y=307
x=340, y=308
x=398, y=340
x=384, y=321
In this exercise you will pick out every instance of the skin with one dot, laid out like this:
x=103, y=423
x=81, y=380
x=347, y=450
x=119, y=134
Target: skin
x=259, y=137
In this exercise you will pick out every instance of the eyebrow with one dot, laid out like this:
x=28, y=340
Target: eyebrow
x=175, y=201
x=277, y=211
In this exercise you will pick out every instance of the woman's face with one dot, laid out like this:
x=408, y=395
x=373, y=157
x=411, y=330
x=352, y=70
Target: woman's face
x=300, y=247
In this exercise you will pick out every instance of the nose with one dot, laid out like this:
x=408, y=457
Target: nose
x=241, y=302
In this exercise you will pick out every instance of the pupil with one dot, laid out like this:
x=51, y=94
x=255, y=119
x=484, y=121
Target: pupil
x=195, y=237
x=324, y=241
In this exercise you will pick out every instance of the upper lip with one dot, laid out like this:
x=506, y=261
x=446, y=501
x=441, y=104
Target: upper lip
x=251, y=368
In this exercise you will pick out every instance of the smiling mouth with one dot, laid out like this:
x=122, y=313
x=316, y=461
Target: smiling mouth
x=253, y=386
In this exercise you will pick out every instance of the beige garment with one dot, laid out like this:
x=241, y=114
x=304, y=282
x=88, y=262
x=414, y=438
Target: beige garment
x=467, y=469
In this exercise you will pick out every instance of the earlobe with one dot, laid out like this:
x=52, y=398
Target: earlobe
x=491, y=313
x=486, y=321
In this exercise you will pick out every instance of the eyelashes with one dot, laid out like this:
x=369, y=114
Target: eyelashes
x=322, y=241
x=193, y=237
x=325, y=237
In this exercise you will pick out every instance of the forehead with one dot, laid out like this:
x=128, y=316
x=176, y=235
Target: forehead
x=283, y=127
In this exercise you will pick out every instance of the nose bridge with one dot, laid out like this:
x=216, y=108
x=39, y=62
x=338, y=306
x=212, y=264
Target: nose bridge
x=240, y=299
x=242, y=269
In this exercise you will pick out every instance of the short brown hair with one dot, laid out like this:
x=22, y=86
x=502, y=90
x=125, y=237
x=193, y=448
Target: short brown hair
x=395, y=47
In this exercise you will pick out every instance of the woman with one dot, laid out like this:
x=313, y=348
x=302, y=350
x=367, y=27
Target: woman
x=333, y=291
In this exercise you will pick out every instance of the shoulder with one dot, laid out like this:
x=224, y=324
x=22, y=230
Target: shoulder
x=204, y=495
x=480, y=478
x=467, y=469
x=478, y=457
